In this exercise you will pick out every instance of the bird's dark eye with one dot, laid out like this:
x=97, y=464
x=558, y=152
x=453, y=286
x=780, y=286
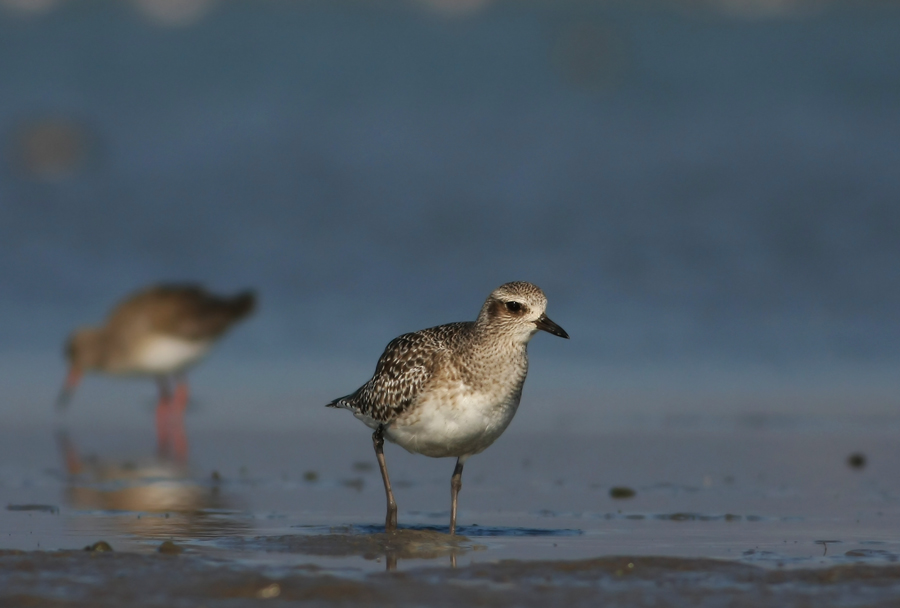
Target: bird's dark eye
x=514, y=306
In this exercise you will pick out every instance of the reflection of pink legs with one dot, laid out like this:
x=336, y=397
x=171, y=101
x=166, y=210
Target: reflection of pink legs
x=163, y=419
x=70, y=454
x=171, y=439
x=178, y=435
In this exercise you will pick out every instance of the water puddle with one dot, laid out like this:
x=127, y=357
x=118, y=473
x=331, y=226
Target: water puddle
x=276, y=522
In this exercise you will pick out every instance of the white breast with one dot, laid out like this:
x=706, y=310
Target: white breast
x=165, y=354
x=455, y=421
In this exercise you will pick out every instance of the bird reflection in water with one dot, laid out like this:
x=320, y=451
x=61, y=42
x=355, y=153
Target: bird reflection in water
x=165, y=500
x=370, y=543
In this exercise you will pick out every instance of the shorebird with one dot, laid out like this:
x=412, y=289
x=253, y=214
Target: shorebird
x=160, y=332
x=451, y=390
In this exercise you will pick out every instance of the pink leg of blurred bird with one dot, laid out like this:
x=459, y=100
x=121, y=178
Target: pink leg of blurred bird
x=179, y=404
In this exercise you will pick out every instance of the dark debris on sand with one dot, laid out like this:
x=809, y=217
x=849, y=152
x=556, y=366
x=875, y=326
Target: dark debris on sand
x=76, y=579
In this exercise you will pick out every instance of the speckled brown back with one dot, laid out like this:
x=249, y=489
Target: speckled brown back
x=404, y=368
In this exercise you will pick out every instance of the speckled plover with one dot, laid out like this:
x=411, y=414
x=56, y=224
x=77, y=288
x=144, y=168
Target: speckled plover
x=452, y=390
x=160, y=331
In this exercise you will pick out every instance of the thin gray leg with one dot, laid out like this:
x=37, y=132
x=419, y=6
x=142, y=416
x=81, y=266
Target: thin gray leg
x=455, y=486
x=390, y=521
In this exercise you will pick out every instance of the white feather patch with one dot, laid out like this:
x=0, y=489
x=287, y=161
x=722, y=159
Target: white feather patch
x=164, y=354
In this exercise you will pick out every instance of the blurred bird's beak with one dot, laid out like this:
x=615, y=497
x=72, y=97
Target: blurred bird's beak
x=549, y=326
x=71, y=383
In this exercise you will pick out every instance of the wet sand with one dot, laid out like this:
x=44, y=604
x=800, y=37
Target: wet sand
x=675, y=517
x=113, y=579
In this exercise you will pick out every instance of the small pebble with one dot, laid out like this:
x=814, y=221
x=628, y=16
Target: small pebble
x=170, y=548
x=269, y=591
x=99, y=547
x=356, y=484
x=363, y=466
x=311, y=476
x=856, y=460
x=621, y=492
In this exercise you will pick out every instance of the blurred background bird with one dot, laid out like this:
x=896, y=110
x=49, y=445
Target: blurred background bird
x=159, y=332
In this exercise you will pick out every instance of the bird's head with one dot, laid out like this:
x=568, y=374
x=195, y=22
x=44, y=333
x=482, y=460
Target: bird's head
x=519, y=308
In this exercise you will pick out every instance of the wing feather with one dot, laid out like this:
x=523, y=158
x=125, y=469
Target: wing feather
x=404, y=369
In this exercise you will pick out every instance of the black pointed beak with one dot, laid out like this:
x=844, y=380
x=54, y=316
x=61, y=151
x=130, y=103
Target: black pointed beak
x=549, y=326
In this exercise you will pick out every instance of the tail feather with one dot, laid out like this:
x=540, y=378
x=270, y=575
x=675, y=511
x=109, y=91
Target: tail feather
x=340, y=402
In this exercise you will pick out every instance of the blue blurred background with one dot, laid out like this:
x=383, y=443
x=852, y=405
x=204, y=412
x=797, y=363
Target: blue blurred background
x=707, y=192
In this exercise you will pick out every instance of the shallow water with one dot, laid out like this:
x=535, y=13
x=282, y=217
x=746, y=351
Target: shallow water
x=710, y=494
x=300, y=509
